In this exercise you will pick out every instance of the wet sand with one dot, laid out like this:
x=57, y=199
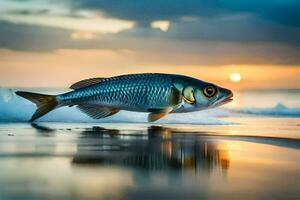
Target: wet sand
x=255, y=158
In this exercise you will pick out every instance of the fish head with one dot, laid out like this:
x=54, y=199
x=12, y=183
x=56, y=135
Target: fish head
x=208, y=95
x=199, y=95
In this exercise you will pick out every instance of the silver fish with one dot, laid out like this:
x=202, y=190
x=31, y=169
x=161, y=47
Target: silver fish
x=158, y=94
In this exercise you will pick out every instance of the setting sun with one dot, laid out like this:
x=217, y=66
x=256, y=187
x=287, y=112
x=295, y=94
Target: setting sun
x=235, y=77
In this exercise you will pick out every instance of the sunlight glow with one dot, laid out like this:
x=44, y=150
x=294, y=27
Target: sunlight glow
x=235, y=77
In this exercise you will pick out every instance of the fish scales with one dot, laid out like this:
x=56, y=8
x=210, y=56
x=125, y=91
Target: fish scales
x=140, y=92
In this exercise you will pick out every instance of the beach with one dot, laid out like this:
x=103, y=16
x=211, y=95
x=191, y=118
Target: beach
x=255, y=158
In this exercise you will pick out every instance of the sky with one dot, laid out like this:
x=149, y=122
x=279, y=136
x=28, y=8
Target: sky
x=53, y=43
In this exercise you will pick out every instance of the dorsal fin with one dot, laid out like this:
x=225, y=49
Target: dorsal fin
x=86, y=82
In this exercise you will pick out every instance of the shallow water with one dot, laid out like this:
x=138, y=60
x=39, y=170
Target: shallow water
x=253, y=158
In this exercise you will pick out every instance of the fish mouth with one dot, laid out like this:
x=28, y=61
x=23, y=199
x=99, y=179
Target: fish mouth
x=225, y=100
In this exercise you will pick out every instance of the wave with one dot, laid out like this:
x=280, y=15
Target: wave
x=280, y=110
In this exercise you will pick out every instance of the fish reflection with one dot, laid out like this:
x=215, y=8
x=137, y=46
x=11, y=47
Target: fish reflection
x=156, y=148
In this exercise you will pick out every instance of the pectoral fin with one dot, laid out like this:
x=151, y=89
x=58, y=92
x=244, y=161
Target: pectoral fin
x=97, y=112
x=157, y=114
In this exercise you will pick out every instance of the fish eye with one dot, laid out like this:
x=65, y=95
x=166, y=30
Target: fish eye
x=210, y=91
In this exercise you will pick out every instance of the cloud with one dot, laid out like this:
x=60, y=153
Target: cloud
x=239, y=28
x=83, y=35
x=29, y=12
x=161, y=25
x=32, y=37
x=65, y=19
x=149, y=46
x=194, y=32
x=279, y=11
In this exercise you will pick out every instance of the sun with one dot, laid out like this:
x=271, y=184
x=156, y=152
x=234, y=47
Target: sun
x=235, y=77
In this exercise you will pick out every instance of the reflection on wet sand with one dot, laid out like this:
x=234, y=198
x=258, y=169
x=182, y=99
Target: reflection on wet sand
x=132, y=161
x=159, y=148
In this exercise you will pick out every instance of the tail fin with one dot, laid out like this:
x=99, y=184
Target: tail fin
x=44, y=103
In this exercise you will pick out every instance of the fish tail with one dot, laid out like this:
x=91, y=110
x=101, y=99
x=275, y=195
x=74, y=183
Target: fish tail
x=44, y=103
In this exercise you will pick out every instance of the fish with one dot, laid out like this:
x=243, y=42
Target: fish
x=155, y=93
